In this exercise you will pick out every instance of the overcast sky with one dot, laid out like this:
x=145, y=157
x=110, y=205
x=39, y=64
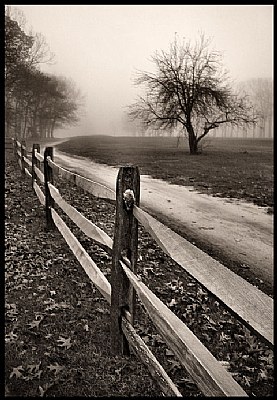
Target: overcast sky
x=101, y=47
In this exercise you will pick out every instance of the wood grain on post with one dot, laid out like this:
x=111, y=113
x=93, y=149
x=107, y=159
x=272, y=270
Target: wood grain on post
x=48, y=177
x=23, y=153
x=124, y=245
x=36, y=147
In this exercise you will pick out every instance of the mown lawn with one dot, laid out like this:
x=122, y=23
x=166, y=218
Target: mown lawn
x=236, y=168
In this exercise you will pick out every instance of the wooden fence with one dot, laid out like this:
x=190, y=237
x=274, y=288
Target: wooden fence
x=250, y=305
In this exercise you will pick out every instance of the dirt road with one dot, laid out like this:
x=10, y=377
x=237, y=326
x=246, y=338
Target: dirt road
x=242, y=231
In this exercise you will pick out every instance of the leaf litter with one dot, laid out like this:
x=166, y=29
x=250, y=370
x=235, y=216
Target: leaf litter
x=72, y=313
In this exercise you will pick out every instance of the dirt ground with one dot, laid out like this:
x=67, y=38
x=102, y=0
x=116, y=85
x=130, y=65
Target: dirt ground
x=235, y=232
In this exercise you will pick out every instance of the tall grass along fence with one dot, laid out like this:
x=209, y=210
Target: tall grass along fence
x=249, y=305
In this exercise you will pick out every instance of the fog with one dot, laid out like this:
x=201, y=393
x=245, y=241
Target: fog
x=100, y=47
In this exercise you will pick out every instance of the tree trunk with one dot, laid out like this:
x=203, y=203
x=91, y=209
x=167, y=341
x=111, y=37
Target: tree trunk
x=193, y=144
x=270, y=130
x=262, y=127
x=52, y=127
x=17, y=116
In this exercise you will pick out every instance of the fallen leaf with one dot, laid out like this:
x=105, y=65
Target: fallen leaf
x=174, y=365
x=35, y=324
x=201, y=292
x=64, y=342
x=172, y=303
x=43, y=389
x=118, y=371
x=32, y=376
x=62, y=305
x=246, y=380
x=10, y=337
x=16, y=372
x=223, y=337
x=146, y=338
x=101, y=310
x=158, y=338
x=33, y=368
x=225, y=364
x=81, y=284
x=262, y=375
x=48, y=336
x=56, y=368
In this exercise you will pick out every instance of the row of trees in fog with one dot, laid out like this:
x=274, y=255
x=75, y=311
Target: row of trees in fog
x=191, y=94
x=36, y=103
x=260, y=91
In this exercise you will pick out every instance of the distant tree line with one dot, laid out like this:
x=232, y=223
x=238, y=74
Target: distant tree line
x=260, y=90
x=36, y=103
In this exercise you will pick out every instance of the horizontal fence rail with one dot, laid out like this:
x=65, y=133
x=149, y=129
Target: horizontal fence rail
x=244, y=300
x=27, y=161
x=88, y=185
x=251, y=306
x=39, y=156
x=93, y=272
x=86, y=226
x=39, y=174
x=205, y=370
x=39, y=193
x=143, y=352
x=27, y=172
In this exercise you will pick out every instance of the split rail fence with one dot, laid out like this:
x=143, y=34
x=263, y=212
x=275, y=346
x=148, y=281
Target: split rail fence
x=249, y=305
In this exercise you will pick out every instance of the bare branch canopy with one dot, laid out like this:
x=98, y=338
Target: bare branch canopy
x=190, y=88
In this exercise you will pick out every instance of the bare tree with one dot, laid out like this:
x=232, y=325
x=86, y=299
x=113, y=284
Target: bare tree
x=65, y=105
x=190, y=88
x=16, y=15
x=23, y=54
x=40, y=52
x=260, y=91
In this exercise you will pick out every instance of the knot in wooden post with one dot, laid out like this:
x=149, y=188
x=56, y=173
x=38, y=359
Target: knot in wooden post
x=129, y=199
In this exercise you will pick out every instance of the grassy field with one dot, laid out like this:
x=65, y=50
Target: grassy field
x=236, y=168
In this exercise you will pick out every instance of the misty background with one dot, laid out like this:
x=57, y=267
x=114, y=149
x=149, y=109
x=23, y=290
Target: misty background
x=100, y=47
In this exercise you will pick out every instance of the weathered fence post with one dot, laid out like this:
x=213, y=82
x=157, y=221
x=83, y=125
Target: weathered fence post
x=125, y=244
x=48, y=177
x=23, y=154
x=36, y=147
